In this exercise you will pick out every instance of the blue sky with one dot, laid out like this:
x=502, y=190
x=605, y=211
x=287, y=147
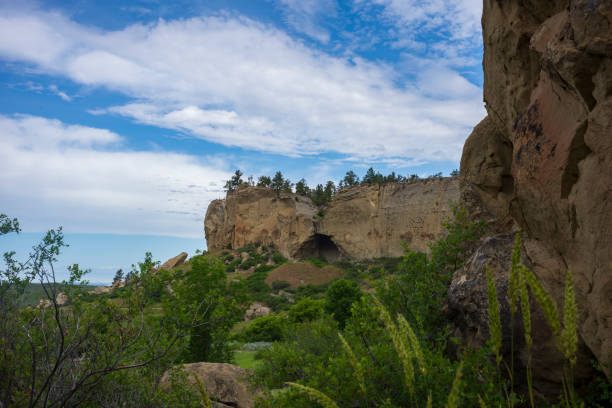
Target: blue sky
x=124, y=118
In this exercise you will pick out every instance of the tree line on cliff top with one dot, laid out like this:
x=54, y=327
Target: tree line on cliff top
x=322, y=193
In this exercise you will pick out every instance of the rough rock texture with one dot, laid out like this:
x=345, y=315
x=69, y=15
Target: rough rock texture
x=174, y=262
x=367, y=222
x=541, y=161
x=257, y=309
x=224, y=383
x=255, y=214
x=362, y=222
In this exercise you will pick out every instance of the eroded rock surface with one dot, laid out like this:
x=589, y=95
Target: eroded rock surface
x=362, y=222
x=224, y=383
x=174, y=262
x=372, y=221
x=541, y=161
x=256, y=214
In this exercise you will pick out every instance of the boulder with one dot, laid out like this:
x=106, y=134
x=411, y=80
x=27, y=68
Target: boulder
x=174, y=262
x=257, y=309
x=225, y=383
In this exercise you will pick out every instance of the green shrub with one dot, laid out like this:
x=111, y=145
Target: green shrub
x=339, y=298
x=279, y=285
x=278, y=258
x=306, y=310
x=265, y=328
x=233, y=265
x=256, y=282
x=318, y=262
x=248, y=264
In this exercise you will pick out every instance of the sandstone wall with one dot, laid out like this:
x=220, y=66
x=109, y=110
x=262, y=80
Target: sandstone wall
x=255, y=214
x=541, y=161
x=362, y=222
x=373, y=221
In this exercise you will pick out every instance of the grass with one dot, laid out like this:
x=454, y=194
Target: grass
x=245, y=359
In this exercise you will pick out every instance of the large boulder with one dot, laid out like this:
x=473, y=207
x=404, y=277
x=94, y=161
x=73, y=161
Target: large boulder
x=224, y=383
x=541, y=161
x=174, y=262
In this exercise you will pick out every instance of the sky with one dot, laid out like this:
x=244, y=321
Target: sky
x=121, y=120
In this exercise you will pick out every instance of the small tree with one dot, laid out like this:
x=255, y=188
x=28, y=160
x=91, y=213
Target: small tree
x=280, y=184
x=233, y=183
x=454, y=173
x=350, y=179
x=264, y=181
x=118, y=276
x=330, y=191
x=339, y=298
x=302, y=188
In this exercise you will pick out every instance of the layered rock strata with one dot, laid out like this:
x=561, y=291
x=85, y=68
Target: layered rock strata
x=362, y=222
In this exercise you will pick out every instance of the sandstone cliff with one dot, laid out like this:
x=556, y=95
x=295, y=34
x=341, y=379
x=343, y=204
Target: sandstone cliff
x=257, y=214
x=362, y=222
x=541, y=162
x=372, y=221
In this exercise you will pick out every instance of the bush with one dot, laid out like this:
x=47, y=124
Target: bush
x=306, y=310
x=278, y=258
x=339, y=298
x=279, y=285
x=265, y=328
x=318, y=262
x=256, y=282
x=233, y=265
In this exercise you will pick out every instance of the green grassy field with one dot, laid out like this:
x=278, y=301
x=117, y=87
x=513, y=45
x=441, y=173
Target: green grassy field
x=245, y=359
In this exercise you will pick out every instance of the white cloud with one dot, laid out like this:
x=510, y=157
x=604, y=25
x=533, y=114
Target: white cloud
x=303, y=16
x=76, y=176
x=233, y=81
x=61, y=94
x=449, y=29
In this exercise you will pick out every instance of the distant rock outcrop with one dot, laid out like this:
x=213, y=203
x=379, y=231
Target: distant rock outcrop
x=174, y=262
x=541, y=162
x=362, y=222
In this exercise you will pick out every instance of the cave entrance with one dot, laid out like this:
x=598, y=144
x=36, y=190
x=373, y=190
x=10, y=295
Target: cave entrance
x=319, y=246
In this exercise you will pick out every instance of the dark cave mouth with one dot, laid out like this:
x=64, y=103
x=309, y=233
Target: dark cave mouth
x=319, y=246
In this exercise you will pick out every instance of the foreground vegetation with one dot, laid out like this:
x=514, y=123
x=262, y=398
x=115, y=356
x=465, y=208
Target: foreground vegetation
x=376, y=336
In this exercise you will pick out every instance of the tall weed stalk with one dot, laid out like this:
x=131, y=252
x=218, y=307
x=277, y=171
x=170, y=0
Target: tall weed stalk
x=566, y=334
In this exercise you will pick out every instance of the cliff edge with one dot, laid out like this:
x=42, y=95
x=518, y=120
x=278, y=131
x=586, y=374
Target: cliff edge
x=362, y=222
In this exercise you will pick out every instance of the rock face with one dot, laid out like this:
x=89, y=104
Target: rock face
x=362, y=222
x=224, y=383
x=256, y=214
x=373, y=221
x=174, y=262
x=541, y=161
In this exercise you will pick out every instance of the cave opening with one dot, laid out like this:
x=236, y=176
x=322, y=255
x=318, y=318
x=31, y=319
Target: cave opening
x=320, y=246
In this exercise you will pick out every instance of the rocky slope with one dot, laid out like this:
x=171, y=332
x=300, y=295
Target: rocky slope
x=362, y=222
x=541, y=162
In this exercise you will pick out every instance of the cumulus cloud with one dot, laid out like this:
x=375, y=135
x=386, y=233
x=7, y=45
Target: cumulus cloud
x=237, y=82
x=82, y=178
